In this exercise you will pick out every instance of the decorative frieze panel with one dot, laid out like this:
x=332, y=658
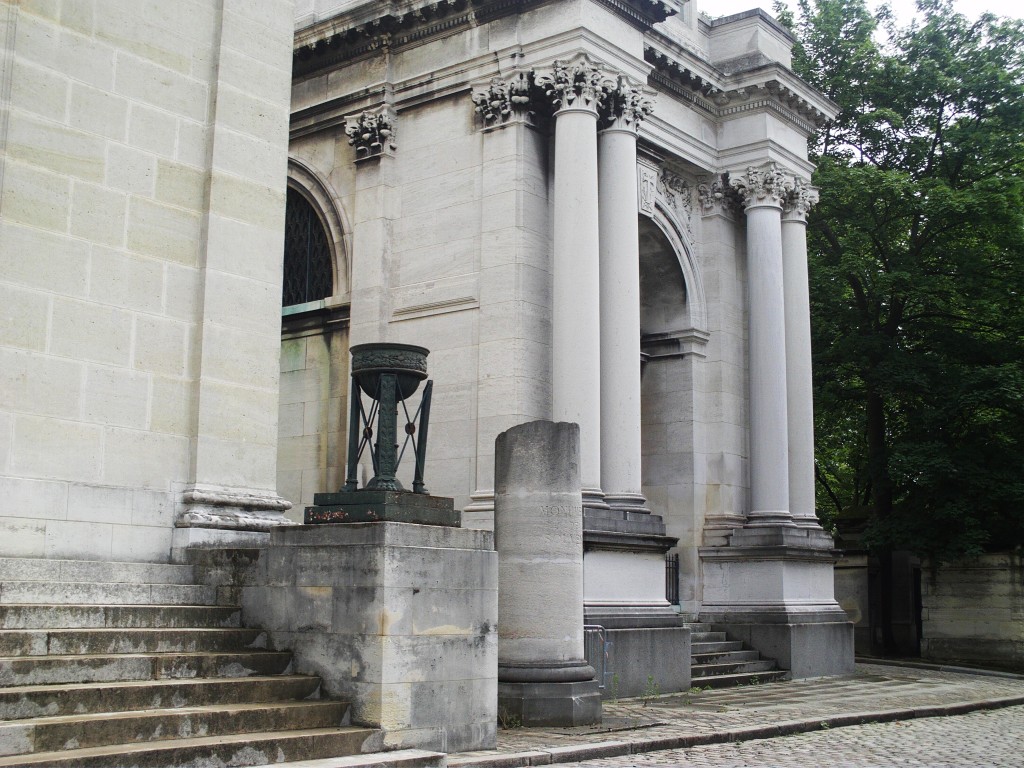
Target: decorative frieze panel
x=678, y=195
x=371, y=133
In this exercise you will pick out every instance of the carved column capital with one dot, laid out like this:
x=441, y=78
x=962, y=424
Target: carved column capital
x=799, y=201
x=574, y=84
x=624, y=105
x=503, y=101
x=714, y=196
x=767, y=185
x=371, y=133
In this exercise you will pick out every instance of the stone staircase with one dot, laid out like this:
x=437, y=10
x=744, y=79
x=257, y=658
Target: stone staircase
x=718, y=662
x=132, y=664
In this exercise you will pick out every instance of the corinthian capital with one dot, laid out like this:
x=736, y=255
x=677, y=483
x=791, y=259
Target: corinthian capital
x=576, y=83
x=371, y=133
x=767, y=185
x=504, y=100
x=623, y=104
x=799, y=201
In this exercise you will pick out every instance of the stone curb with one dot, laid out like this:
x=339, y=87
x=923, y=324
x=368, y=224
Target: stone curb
x=936, y=667
x=595, y=750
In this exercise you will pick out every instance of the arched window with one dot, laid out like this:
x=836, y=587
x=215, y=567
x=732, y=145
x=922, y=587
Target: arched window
x=308, y=275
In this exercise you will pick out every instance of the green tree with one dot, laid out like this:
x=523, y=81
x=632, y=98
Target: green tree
x=917, y=277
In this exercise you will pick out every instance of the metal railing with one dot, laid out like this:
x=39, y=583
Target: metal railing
x=597, y=651
x=672, y=579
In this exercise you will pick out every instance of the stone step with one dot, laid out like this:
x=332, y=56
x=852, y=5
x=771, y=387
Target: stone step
x=39, y=642
x=726, y=657
x=94, y=668
x=27, y=701
x=716, y=647
x=96, y=593
x=53, y=734
x=43, y=616
x=728, y=668
x=402, y=758
x=743, y=678
x=246, y=749
x=707, y=637
x=93, y=571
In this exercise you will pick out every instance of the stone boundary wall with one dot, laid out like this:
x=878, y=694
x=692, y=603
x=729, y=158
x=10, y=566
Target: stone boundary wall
x=974, y=611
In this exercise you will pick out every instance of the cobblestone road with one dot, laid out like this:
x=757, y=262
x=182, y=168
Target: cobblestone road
x=992, y=738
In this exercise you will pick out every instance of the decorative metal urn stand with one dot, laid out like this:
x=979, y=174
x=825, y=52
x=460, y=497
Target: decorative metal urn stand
x=388, y=374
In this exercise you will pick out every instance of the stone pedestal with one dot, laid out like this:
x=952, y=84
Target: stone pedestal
x=543, y=679
x=398, y=619
x=376, y=506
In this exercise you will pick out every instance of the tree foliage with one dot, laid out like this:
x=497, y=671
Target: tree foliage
x=917, y=274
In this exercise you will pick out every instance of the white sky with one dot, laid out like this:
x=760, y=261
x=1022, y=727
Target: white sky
x=904, y=9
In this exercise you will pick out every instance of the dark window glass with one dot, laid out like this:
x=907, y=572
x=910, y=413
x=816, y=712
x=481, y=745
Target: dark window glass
x=307, y=257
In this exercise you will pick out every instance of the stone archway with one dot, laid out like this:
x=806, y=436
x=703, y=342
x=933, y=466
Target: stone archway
x=673, y=347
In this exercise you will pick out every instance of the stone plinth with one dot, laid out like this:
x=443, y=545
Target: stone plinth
x=375, y=506
x=538, y=528
x=398, y=619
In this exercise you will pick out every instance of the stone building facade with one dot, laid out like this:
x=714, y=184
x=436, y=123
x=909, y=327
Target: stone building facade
x=588, y=210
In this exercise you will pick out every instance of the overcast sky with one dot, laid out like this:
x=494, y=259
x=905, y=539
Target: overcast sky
x=904, y=8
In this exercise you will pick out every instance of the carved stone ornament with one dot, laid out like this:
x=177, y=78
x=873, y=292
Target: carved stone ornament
x=576, y=83
x=624, y=105
x=372, y=134
x=767, y=185
x=504, y=100
x=646, y=188
x=800, y=200
x=678, y=195
x=713, y=195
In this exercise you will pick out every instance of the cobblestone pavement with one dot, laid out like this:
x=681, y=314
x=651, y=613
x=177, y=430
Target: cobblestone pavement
x=873, y=693
x=987, y=738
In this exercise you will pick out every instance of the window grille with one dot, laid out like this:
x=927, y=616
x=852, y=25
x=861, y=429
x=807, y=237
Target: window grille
x=307, y=255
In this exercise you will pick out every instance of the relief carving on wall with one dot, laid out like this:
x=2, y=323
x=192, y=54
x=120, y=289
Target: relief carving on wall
x=678, y=195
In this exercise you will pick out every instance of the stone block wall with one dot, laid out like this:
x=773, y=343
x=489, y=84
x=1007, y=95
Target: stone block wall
x=143, y=151
x=974, y=612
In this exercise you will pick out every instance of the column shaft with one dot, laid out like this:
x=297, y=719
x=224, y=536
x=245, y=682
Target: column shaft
x=620, y=320
x=576, y=352
x=799, y=385
x=769, y=436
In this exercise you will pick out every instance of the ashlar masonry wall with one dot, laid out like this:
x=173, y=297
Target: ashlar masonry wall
x=143, y=147
x=974, y=611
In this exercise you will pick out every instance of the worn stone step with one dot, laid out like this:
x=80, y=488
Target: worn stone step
x=53, y=734
x=403, y=758
x=43, y=616
x=93, y=571
x=36, y=642
x=716, y=647
x=726, y=668
x=94, y=668
x=20, y=702
x=97, y=593
x=726, y=657
x=246, y=749
x=708, y=637
x=743, y=678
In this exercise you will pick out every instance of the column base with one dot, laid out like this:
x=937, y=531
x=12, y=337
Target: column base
x=232, y=509
x=479, y=513
x=633, y=503
x=593, y=498
x=561, y=704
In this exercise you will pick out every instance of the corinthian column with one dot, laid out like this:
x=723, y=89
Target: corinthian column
x=763, y=191
x=799, y=392
x=623, y=109
x=574, y=88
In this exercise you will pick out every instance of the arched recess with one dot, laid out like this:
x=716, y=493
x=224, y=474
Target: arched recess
x=314, y=381
x=673, y=326
x=306, y=181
